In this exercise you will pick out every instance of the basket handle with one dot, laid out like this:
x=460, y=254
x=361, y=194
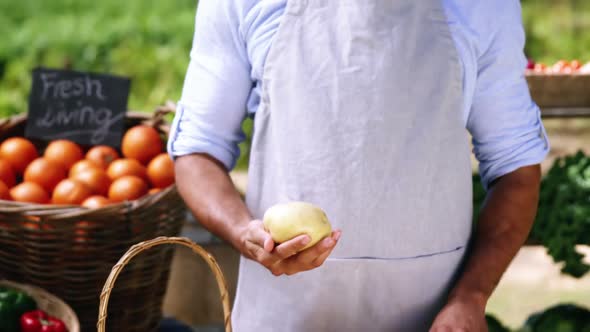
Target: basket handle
x=161, y=112
x=138, y=248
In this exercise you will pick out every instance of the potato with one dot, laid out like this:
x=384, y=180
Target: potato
x=289, y=220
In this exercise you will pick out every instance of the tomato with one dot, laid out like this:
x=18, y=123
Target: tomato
x=4, y=191
x=102, y=155
x=7, y=174
x=18, y=152
x=96, y=179
x=70, y=192
x=540, y=68
x=29, y=192
x=560, y=66
x=127, y=188
x=575, y=65
x=82, y=165
x=122, y=167
x=64, y=152
x=142, y=143
x=45, y=173
x=530, y=64
x=160, y=171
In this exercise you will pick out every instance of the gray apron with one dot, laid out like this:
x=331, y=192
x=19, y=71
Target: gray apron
x=362, y=114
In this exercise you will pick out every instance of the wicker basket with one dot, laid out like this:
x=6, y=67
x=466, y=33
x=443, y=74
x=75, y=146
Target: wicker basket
x=70, y=250
x=48, y=303
x=560, y=90
x=143, y=247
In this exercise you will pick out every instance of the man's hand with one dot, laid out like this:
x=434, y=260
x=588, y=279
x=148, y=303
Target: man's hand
x=461, y=315
x=285, y=258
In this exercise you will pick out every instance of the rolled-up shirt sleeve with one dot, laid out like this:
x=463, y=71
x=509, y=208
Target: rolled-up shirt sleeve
x=216, y=88
x=504, y=121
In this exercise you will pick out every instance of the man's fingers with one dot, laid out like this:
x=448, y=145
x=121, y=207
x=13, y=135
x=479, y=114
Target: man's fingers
x=258, y=236
x=269, y=244
x=322, y=248
x=321, y=258
x=291, y=247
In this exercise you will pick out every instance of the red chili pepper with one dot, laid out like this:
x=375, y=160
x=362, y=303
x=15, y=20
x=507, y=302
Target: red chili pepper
x=40, y=321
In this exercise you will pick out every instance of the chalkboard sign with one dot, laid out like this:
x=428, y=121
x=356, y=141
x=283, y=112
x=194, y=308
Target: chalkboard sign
x=86, y=108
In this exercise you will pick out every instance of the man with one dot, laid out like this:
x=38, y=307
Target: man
x=361, y=107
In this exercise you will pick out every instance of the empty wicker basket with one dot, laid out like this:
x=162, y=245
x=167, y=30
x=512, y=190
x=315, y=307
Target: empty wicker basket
x=147, y=247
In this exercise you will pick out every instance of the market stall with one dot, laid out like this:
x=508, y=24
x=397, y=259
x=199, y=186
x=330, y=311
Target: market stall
x=75, y=195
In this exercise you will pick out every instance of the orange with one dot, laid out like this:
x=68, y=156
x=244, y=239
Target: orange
x=122, y=167
x=45, y=173
x=18, y=152
x=160, y=171
x=102, y=155
x=96, y=201
x=29, y=192
x=127, y=188
x=7, y=173
x=82, y=165
x=70, y=192
x=64, y=152
x=142, y=143
x=96, y=179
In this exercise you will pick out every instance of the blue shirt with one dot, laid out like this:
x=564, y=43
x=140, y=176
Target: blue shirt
x=232, y=39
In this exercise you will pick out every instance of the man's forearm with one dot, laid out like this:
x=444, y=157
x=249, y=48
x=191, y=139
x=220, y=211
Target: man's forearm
x=212, y=197
x=503, y=226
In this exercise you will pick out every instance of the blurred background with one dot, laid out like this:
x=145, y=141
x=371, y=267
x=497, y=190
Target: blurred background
x=150, y=40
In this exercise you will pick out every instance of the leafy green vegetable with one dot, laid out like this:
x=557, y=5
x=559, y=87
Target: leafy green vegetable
x=559, y=318
x=563, y=217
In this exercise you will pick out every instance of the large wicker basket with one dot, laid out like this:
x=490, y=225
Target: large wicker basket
x=48, y=303
x=70, y=251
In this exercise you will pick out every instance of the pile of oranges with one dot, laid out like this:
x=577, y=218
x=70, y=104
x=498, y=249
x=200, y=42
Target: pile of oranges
x=65, y=174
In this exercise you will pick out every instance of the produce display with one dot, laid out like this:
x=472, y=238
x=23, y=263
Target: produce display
x=288, y=220
x=563, y=217
x=13, y=304
x=40, y=321
x=560, y=67
x=64, y=174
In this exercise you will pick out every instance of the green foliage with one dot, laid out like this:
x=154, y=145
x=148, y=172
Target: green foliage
x=494, y=325
x=147, y=40
x=559, y=318
x=150, y=40
x=557, y=29
x=563, y=217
